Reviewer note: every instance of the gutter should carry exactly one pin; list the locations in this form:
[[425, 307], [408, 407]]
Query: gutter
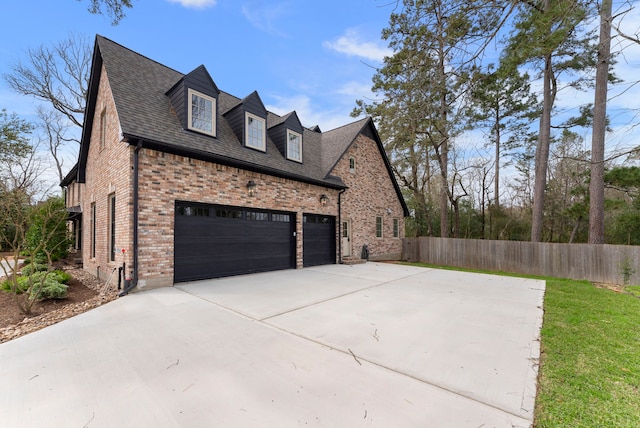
[[232, 162], [133, 282]]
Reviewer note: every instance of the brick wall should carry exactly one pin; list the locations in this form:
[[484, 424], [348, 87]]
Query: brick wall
[[370, 194], [108, 172], [165, 178]]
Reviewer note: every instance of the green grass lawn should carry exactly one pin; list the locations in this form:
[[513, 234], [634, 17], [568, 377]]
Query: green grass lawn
[[590, 364]]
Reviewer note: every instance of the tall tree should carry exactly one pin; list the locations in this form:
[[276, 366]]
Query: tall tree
[[55, 132], [503, 103], [561, 46], [400, 116], [596, 186], [436, 45], [57, 75]]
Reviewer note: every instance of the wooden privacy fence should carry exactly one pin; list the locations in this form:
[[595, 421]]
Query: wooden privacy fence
[[612, 264]]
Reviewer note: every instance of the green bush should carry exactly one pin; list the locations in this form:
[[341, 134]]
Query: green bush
[[33, 268], [51, 289], [54, 286], [62, 276], [23, 285], [47, 233]]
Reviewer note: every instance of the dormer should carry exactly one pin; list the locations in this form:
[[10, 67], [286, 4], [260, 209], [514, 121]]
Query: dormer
[[195, 101], [286, 133], [248, 120]]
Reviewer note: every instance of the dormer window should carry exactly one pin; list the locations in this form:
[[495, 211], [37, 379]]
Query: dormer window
[[202, 109], [255, 132], [294, 146]]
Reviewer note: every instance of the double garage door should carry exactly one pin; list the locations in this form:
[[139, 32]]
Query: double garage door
[[213, 241]]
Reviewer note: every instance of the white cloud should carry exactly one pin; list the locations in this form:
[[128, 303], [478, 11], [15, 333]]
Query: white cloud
[[308, 113], [351, 43], [264, 18], [195, 4], [356, 89]]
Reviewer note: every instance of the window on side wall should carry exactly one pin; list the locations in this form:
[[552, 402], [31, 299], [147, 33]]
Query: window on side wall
[[378, 227], [294, 146], [255, 135], [202, 109], [352, 164], [112, 227], [396, 228], [103, 128], [93, 230]]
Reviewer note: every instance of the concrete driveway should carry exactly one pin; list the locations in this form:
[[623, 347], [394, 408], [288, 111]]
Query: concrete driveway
[[336, 346]]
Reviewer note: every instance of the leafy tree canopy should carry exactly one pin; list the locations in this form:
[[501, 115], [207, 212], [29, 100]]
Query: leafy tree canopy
[[115, 9], [14, 142]]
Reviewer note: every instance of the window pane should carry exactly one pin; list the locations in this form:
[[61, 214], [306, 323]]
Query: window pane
[[252, 215], [201, 113], [378, 227], [280, 217], [255, 132], [294, 147]]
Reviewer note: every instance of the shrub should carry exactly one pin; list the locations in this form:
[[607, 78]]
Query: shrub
[[62, 276], [23, 285], [53, 286], [32, 268], [51, 289], [47, 233]]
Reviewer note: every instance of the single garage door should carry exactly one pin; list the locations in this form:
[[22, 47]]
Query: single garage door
[[318, 240], [213, 241]]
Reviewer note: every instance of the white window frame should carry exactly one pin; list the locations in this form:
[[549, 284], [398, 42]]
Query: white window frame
[[352, 160], [112, 226], [190, 94], [296, 134], [263, 144], [103, 128]]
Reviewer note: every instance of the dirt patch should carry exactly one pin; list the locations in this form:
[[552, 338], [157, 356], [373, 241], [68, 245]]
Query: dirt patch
[[85, 292], [613, 287]]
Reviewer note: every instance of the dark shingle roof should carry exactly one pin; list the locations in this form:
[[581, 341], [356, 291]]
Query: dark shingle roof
[[139, 86], [337, 141]]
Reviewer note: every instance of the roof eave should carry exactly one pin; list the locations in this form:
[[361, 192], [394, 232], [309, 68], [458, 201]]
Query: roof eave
[[228, 161], [94, 83]]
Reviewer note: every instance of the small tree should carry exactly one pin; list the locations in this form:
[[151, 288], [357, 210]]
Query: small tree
[[39, 233]]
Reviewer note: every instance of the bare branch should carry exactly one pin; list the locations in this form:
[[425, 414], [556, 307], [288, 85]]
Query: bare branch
[[57, 75]]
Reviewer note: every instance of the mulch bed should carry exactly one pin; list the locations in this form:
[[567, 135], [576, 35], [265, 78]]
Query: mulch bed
[[85, 292]]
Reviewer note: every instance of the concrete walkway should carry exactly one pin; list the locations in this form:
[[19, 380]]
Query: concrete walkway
[[335, 346]]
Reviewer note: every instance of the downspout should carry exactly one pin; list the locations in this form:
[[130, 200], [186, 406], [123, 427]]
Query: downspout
[[340, 225], [133, 282]]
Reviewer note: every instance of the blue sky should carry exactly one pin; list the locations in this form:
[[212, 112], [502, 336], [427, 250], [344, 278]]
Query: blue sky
[[315, 57]]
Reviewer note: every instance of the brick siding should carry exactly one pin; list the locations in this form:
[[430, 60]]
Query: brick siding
[[165, 178], [108, 172], [370, 194]]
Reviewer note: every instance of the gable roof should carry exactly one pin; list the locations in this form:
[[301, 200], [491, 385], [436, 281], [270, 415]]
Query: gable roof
[[336, 142], [139, 86]]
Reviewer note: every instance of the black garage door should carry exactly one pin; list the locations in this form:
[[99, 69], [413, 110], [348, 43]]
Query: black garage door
[[213, 241], [318, 240]]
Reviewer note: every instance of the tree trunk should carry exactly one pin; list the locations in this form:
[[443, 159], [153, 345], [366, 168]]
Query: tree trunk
[[496, 184], [596, 186], [542, 154]]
